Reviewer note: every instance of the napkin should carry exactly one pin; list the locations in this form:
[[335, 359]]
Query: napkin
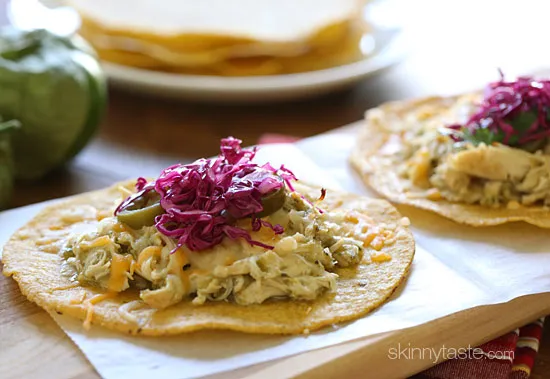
[[511, 356]]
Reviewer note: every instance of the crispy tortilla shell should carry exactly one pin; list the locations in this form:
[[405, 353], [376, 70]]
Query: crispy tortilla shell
[[32, 258], [376, 167]]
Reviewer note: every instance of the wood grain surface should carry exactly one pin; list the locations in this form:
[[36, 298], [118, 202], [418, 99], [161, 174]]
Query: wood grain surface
[[141, 135]]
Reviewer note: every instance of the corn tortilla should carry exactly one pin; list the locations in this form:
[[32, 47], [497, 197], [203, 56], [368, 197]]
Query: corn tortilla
[[202, 25], [31, 258], [229, 61], [176, 52], [380, 170], [245, 66], [206, 38]]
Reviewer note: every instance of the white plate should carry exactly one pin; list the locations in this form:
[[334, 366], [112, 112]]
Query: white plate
[[386, 46]]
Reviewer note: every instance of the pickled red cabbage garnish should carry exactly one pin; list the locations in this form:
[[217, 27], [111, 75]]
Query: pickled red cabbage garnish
[[202, 200], [515, 113]]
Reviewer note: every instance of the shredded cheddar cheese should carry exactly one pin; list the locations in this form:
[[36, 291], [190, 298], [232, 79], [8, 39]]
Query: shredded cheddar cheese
[[369, 238], [378, 243], [433, 194], [90, 307], [419, 167], [380, 257], [148, 252], [352, 218], [103, 214], [119, 228], [98, 242], [387, 234]]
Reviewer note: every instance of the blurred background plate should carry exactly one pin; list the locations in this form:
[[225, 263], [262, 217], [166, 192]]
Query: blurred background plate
[[384, 46]]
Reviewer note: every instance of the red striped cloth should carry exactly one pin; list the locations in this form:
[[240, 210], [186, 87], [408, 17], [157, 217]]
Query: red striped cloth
[[511, 356]]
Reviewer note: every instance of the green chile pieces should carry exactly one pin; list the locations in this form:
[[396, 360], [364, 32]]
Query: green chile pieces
[[272, 202], [138, 218], [140, 209], [55, 87]]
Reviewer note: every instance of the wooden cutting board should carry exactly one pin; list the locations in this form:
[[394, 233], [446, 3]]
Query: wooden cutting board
[[33, 346]]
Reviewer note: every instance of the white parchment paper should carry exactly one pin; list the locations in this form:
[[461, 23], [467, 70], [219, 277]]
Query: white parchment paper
[[455, 268]]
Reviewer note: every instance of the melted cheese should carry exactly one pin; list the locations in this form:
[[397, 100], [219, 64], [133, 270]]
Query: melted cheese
[[62, 288], [227, 251], [380, 257], [98, 242], [90, 307], [79, 300], [120, 265], [119, 228], [103, 214], [369, 238], [148, 252], [126, 309], [352, 217], [178, 259], [378, 243]]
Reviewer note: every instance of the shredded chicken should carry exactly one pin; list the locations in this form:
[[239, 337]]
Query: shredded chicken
[[495, 175], [300, 266]]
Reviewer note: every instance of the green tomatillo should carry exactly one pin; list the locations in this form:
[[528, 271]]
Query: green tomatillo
[[56, 89]]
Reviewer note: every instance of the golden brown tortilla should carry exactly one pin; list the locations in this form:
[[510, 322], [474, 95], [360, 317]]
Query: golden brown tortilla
[[379, 168], [32, 258]]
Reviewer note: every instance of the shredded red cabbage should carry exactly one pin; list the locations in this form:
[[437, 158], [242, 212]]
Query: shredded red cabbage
[[141, 183], [202, 199], [513, 113]]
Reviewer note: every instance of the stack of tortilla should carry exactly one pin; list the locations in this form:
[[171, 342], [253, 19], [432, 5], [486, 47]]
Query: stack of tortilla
[[224, 37]]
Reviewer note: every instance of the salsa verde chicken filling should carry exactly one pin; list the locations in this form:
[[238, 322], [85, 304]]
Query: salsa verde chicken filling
[[496, 155], [221, 229]]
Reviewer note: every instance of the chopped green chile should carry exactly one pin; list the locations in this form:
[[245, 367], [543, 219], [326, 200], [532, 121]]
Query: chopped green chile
[[138, 218], [140, 210], [272, 202], [140, 283]]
